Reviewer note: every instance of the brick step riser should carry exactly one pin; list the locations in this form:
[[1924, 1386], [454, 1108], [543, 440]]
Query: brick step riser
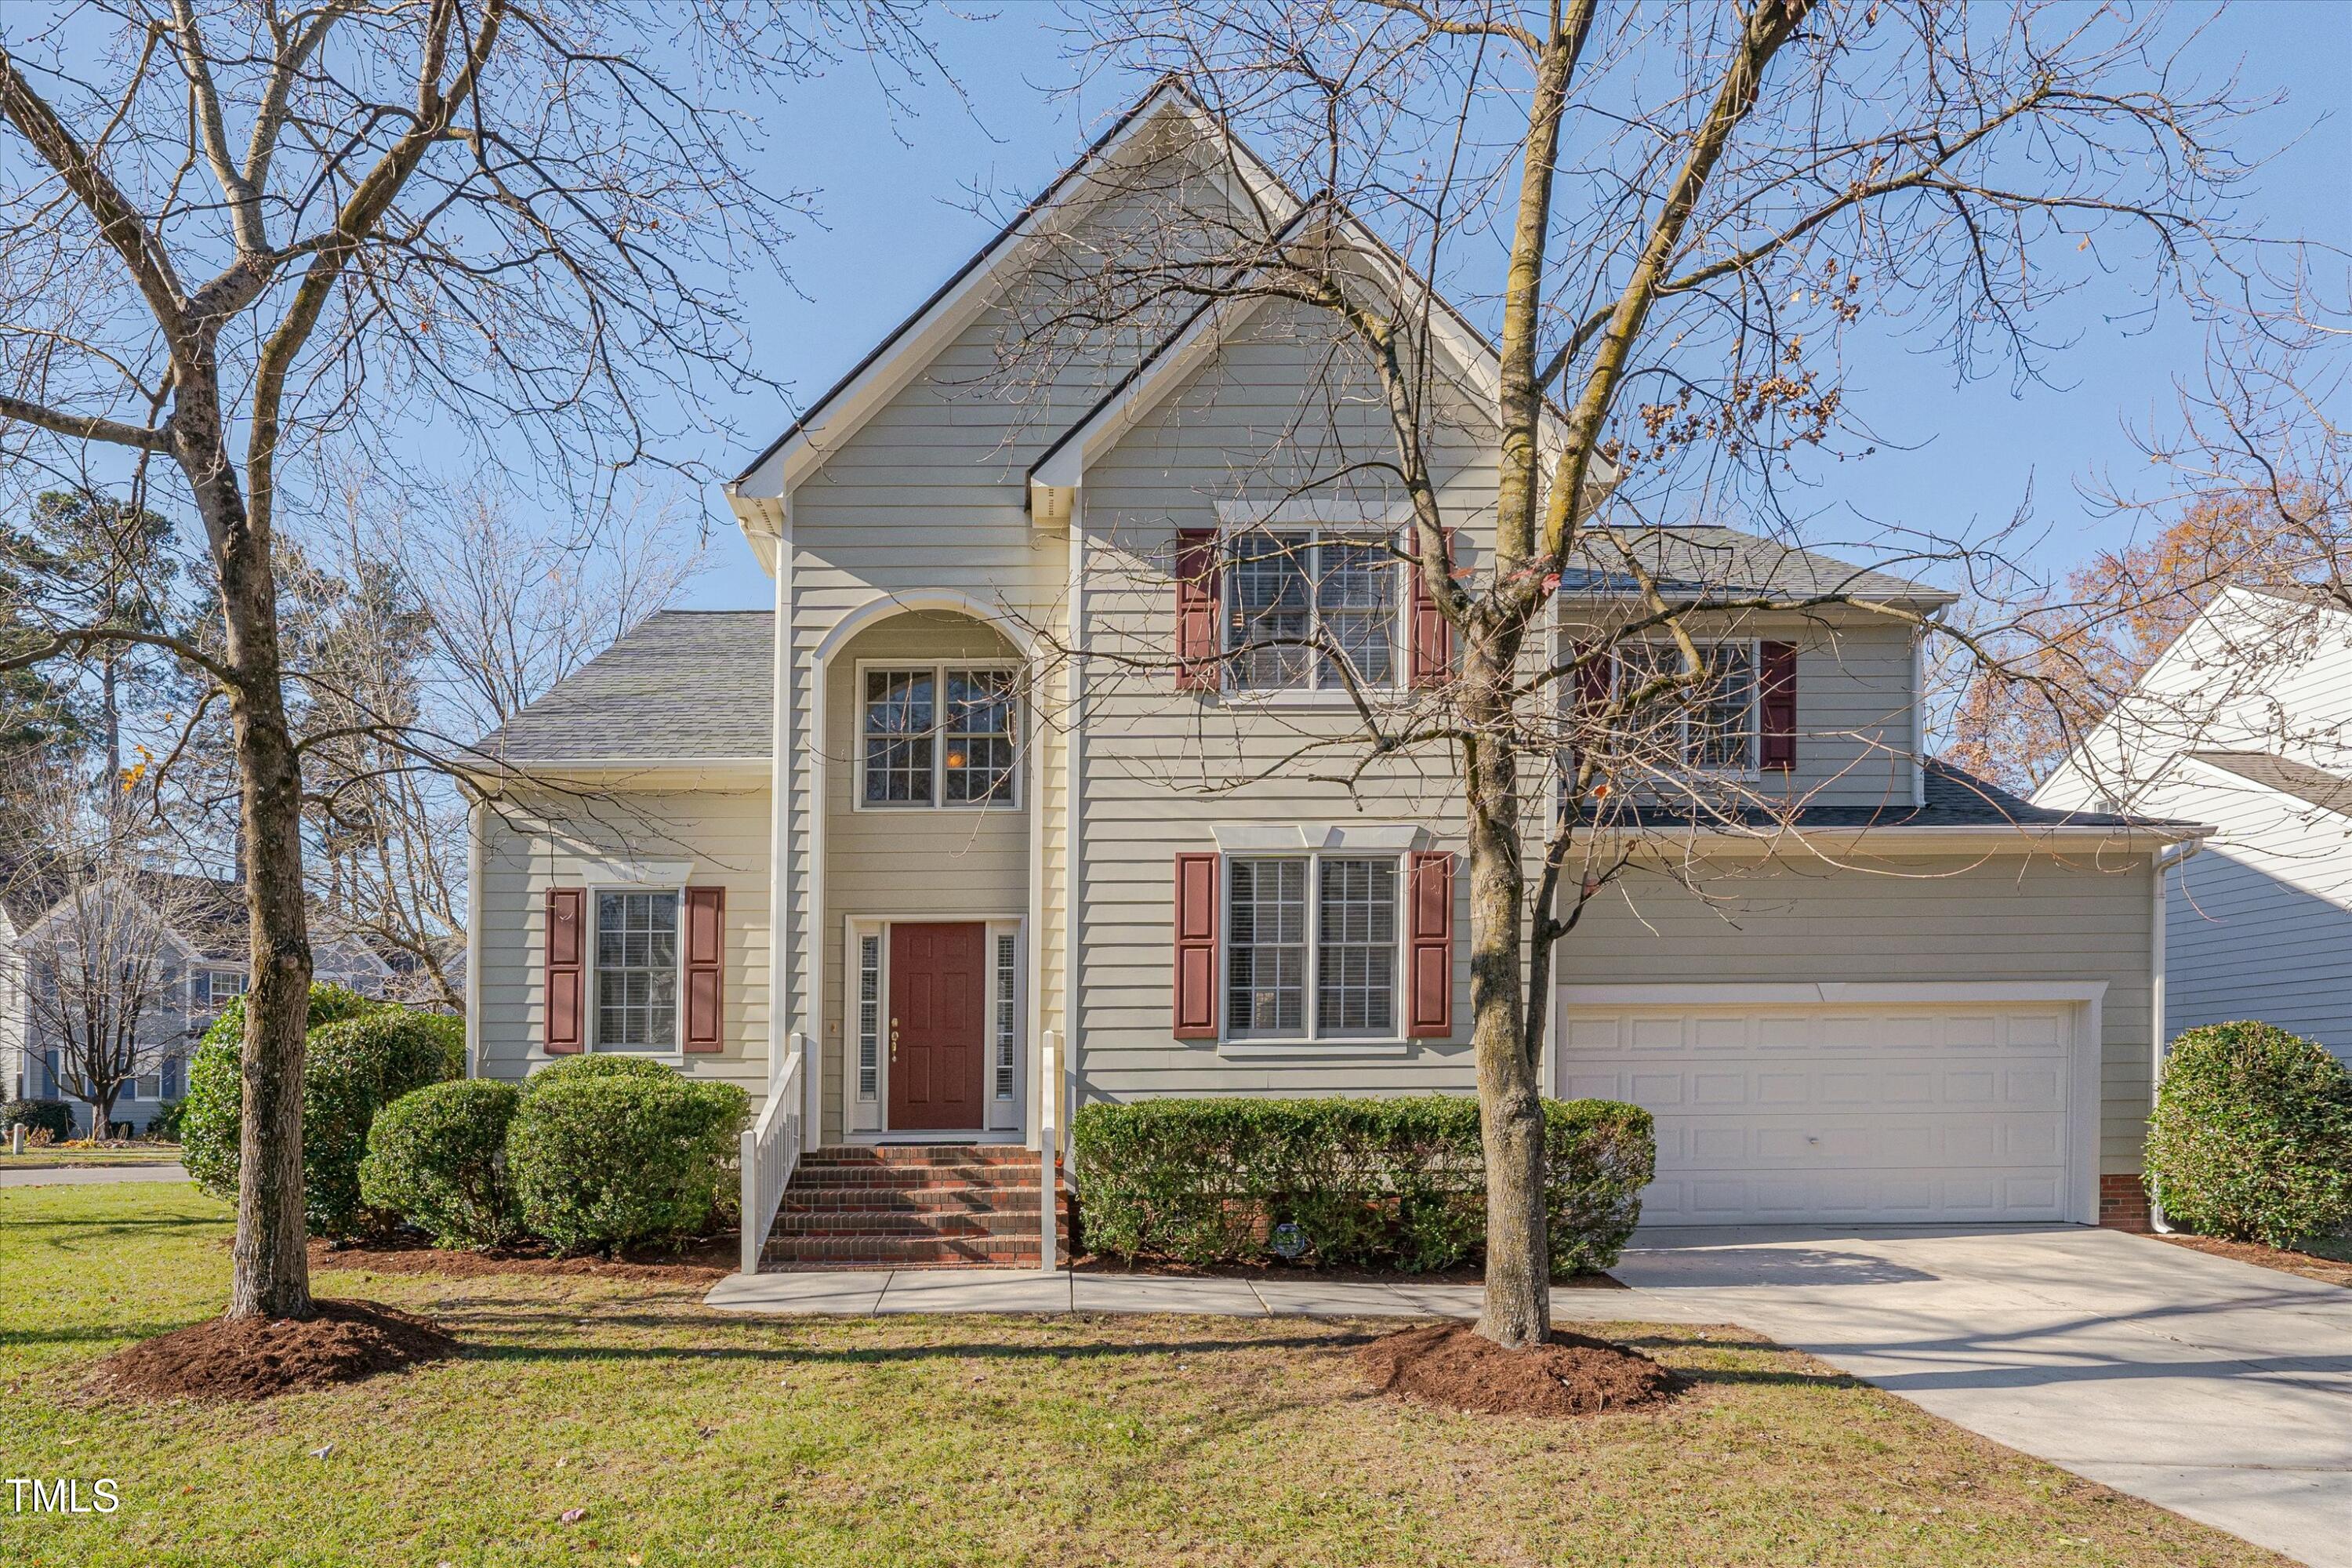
[[916, 1158], [837, 1252], [927, 1177], [913, 1227], [920, 1200]]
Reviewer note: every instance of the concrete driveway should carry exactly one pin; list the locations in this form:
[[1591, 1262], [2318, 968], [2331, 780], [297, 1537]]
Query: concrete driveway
[[2216, 1389]]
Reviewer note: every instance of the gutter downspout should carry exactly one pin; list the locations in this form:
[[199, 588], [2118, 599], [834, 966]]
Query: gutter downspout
[[2160, 866], [474, 939]]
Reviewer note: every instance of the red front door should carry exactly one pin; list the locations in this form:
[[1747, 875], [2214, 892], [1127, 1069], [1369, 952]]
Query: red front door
[[938, 1012]]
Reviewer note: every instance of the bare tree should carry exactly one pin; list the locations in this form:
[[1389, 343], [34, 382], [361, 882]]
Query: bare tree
[[234, 237], [103, 963], [1675, 215]]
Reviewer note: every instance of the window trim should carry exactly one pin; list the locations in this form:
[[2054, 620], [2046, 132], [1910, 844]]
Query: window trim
[[590, 1041], [1746, 772], [1313, 1042], [1310, 695], [937, 668]]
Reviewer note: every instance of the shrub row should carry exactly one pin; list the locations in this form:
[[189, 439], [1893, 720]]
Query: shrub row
[[54, 1117], [1395, 1183], [590, 1153], [359, 1056], [2251, 1136]]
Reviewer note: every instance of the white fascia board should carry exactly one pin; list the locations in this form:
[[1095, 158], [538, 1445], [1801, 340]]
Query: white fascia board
[[762, 519], [938, 323]]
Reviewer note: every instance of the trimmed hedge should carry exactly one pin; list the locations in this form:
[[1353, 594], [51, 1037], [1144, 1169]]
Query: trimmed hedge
[[2252, 1135], [165, 1123], [54, 1117], [360, 1055], [436, 1157], [1386, 1184], [579, 1068], [607, 1161]]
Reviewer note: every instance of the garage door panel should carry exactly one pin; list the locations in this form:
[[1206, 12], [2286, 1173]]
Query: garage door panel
[[1838, 1114]]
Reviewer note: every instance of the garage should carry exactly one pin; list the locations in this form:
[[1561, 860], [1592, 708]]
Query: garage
[[1826, 1104]]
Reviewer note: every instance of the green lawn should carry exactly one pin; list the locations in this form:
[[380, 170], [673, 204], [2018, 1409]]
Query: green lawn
[[692, 1438], [53, 1157]]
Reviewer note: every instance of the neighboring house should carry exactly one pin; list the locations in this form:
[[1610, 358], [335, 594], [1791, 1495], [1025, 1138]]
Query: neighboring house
[[204, 968], [887, 831], [2245, 722]]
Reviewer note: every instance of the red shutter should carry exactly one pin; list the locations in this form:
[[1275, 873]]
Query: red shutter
[[566, 939], [1430, 1013], [1195, 975], [1591, 681], [1196, 609], [1776, 694], [1432, 634], [706, 942]]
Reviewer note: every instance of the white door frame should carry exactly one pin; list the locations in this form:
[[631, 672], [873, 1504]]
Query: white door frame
[[863, 1122], [2087, 998]]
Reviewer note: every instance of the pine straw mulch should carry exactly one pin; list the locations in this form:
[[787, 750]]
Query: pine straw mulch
[[2310, 1265], [701, 1262], [1451, 1365], [255, 1358]]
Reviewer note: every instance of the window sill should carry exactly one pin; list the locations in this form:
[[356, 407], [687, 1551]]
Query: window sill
[[1324, 700], [1317, 1050]]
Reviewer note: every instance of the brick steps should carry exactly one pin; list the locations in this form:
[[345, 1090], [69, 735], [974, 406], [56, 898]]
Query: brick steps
[[925, 1205]]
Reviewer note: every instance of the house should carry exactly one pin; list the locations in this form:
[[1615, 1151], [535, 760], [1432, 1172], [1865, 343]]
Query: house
[[2244, 721], [978, 822], [201, 921]]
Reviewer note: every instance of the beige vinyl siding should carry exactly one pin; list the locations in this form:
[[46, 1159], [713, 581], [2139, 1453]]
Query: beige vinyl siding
[[906, 863], [1882, 918], [535, 843]]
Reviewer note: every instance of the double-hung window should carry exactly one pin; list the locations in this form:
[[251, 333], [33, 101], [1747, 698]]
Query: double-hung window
[[1711, 726], [1311, 947], [1299, 601], [636, 970], [939, 735]]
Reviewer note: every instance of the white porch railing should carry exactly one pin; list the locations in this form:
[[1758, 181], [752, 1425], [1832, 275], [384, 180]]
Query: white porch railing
[[1049, 1148], [772, 1151]]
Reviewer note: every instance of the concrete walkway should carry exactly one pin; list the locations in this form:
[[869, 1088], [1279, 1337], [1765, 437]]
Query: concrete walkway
[[1024, 1290], [88, 1176], [2216, 1389]]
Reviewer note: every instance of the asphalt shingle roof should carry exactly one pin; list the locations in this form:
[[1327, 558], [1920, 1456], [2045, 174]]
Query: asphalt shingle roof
[[683, 686], [1954, 798], [1712, 560], [2313, 786]]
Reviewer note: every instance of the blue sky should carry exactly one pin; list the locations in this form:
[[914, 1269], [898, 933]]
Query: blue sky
[[898, 193]]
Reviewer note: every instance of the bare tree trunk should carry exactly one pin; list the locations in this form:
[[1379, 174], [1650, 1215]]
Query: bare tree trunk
[[272, 1274], [1518, 1305]]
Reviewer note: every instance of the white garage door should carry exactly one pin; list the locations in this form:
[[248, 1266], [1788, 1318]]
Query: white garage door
[[1828, 1114]]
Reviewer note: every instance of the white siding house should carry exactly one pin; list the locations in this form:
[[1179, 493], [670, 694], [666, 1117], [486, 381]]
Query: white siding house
[[1925, 1000], [2244, 722]]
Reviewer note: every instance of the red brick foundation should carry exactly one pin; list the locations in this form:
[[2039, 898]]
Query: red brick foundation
[[2122, 1204]]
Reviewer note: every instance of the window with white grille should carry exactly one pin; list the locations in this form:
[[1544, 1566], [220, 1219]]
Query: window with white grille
[[1312, 947], [1007, 1020], [636, 971], [939, 735], [1710, 725], [898, 738], [869, 1017], [1289, 592]]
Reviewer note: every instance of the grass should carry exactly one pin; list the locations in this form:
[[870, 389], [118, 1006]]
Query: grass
[[690, 1439], [54, 1156]]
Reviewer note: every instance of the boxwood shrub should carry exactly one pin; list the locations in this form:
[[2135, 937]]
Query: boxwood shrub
[[2252, 1135], [436, 1157], [360, 1055], [572, 1070], [1386, 1184], [54, 1117], [602, 1161]]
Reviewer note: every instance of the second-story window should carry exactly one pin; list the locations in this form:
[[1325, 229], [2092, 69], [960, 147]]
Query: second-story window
[[1292, 592], [939, 735], [1711, 725]]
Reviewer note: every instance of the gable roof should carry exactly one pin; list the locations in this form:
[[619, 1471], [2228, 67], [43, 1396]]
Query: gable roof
[[2313, 786], [1711, 559], [837, 412], [682, 686]]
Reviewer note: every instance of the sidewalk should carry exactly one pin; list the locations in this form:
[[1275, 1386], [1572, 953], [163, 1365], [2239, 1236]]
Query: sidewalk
[[1008, 1290], [87, 1175]]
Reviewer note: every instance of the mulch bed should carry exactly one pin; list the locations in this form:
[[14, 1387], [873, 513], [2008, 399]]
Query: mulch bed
[[702, 1262], [2310, 1265], [1450, 1364], [254, 1358]]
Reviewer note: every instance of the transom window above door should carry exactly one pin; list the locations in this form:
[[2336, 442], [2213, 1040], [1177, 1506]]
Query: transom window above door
[[939, 735], [1298, 598]]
